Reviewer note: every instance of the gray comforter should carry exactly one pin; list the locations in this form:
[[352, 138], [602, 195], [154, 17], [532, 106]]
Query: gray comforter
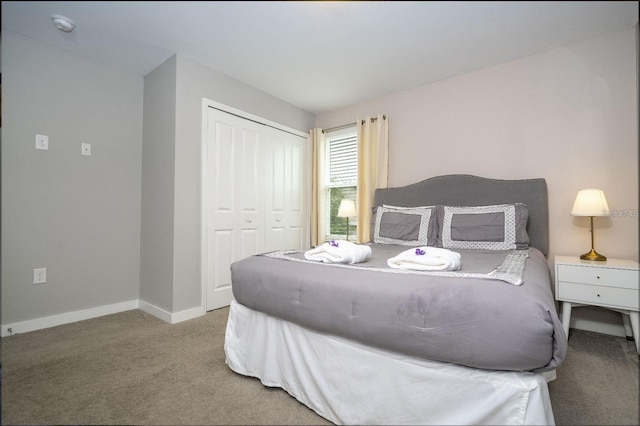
[[476, 322]]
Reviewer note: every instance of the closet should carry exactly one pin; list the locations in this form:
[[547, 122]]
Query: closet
[[254, 193]]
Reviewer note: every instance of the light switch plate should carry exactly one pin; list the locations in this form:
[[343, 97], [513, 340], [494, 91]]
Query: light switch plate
[[42, 142], [40, 275], [85, 149]]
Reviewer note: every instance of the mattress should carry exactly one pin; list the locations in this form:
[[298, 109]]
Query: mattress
[[470, 320]]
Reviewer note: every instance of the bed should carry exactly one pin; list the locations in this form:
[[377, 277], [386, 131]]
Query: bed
[[368, 344]]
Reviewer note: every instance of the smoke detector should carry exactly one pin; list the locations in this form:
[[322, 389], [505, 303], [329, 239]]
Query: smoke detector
[[63, 23]]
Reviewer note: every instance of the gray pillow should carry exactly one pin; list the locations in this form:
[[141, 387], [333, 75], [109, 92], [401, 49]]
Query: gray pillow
[[410, 226], [495, 227]]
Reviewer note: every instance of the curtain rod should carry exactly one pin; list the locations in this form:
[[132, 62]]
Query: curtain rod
[[344, 126]]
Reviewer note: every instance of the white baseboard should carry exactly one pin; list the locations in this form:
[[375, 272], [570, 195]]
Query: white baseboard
[[187, 315], [171, 318], [99, 311], [155, 311], [598, 327], [598, 320], [67, 318]]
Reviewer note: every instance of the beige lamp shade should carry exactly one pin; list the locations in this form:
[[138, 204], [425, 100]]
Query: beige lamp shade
[[590, 202], [347, 208]]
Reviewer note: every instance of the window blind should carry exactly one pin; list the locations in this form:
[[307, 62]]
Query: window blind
[[343, 161]]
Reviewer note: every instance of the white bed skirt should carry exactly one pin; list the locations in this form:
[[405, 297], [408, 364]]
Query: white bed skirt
[[350, 383]]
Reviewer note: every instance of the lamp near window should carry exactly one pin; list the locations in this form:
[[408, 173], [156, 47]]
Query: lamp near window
[[591, 202], [347, 209]]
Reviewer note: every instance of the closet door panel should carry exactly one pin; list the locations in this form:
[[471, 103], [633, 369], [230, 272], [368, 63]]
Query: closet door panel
[[249, 174], [235, 214], [249, 210], [220, 211], [297, 192], [255, 196], [278, 179], [285, 203], [223, 247], [220, 160], [295, 211]]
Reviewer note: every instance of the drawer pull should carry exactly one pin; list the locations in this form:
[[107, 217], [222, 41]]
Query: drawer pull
[[598, 276], [598, 295]]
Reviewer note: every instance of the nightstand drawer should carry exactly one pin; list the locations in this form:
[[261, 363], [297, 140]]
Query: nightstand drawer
[[598, 295], [624, 278]]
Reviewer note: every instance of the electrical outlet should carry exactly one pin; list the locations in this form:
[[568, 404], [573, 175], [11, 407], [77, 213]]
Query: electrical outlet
[[42, 142], [40, 275], [85, 149]]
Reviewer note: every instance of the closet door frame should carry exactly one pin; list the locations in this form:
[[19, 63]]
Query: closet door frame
[[206, 104]]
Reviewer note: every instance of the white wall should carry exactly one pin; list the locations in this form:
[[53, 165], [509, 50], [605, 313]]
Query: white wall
[[77, 216], [158, 175], [569, 115], [176, 247], [195, 82], [119, 229]]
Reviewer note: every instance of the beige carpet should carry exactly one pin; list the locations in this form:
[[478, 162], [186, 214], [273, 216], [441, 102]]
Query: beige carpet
[[598, 382], [132, 368]]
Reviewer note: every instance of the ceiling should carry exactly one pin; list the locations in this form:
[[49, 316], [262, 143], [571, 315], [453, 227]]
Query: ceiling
[[319, 55]]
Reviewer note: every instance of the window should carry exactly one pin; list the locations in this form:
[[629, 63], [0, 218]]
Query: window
[[341, 179]]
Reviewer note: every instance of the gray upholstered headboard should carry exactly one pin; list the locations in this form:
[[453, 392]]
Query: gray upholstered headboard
[[468, 190]]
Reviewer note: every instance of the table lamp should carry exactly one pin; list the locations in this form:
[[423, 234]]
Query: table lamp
[[347, 209], [591, 202]]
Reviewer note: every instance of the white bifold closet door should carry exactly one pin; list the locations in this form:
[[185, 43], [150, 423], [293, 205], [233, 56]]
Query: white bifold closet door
[[255, 195], [285, 194]]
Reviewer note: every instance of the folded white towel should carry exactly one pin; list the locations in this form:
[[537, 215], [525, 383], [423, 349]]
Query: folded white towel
[[339, 251], [426, 259]]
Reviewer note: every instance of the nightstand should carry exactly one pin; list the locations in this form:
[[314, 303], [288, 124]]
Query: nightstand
[[611, 284]]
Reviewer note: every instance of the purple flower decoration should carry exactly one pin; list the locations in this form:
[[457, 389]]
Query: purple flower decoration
[[333, 243], [420, 252]]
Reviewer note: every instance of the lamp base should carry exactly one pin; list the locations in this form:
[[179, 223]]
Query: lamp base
[[347, 229], [593, 255]]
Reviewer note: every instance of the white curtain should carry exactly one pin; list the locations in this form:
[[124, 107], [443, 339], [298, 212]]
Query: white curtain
[[318, 220], [373, 166]]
